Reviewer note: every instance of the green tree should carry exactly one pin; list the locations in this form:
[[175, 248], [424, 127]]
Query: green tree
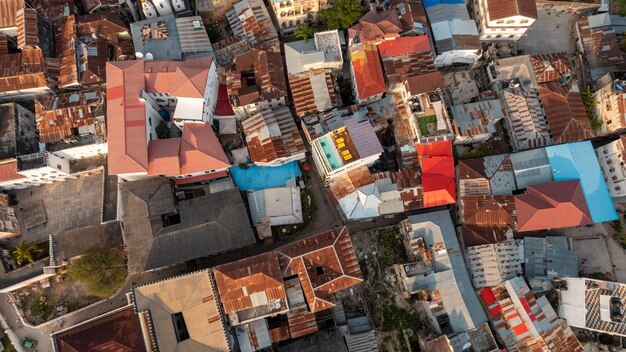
[[590, 102], [343, 14], [25, 252], [162, 131], [304, 32], [103, 270]]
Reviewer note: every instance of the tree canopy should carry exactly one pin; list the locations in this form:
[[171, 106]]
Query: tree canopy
[[25, 252], [103, 270], [590, 102], [343, 14], [304, 32]]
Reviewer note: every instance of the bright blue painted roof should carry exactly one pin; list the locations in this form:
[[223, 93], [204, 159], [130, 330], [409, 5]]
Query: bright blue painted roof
[[258, 178], [577, 161], [429, 3]]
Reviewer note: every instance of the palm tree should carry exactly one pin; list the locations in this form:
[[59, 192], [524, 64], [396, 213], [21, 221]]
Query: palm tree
[[26, 251]]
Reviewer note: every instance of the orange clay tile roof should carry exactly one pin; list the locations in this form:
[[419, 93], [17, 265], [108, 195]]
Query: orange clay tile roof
[[65, 41], [272, 134], [404, 46], [565, 112], [324, 263], [237, 281], [8, 171], [552, 205], [8, 8], [368, 71], [198, 150], [27, 33], [500, 9], [126, 114], [22, 71]]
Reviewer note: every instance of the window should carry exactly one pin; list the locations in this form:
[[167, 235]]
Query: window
[[618, 188], [500, 21], [609, 162], [614, 178], [58, 166], [510, 21], [498, 36], [524, 21], [511, 36]]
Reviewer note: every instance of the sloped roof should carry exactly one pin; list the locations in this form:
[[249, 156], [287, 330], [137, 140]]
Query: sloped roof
[[214, 221], [65, 42], [551, 67], [272, 134], [438, 179], [325, 264], [488, 210], [126, 114], [57, 115], [552, 205], [22, 71], [368, 71], [194, 297], [473, 235], [265, 63], [377, 25], [425, 83], [500, 9], [8, 8], [120, 328], [348, 182], [404, 46], [238, 281], [565, 112]]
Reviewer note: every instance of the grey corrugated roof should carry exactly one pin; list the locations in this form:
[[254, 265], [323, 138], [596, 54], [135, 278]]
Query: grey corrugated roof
[[447, 12], [162, 48], [210, 224], [549, 257], [451, 277]]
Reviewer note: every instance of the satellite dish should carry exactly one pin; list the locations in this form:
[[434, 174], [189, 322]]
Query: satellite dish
[[139, 55], [149, 56]]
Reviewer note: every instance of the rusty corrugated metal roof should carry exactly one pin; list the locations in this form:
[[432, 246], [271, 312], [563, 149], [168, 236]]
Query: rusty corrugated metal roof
[[8, 9], [27, 30], [65, 38], [57, 115], [22, 71], [565, 112], [237, 281], [502, 9]]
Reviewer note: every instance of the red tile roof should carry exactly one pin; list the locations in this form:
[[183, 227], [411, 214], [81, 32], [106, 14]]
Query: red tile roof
[[197, 151], [368, 71], [552, 205], [126, 114], [404, 46], [237, 281], [223, 107], [325, 264], [438, 180]]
